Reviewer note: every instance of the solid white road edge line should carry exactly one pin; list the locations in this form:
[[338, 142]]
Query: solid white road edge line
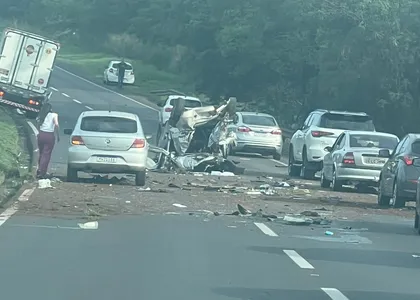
[[77, 101], [265, 229], [88, 107], [299, 260], [4, 216], [334, 294], [280, 162], [36, 132], [104, 88], [65, 95]]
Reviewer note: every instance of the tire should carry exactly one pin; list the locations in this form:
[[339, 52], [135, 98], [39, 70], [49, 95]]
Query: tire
[[416, 221], [398, 201], [71, 174], [305, 172], [325, 183], [141, 178], [336, 185], [292, 170], [276, 156], [382, 199]]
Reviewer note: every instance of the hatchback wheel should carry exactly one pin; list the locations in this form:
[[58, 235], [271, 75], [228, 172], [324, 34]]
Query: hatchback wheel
[[306, 172], [141, 178], [397, 201], [382, 199], [292, 170], [325, 183], [336, 185]]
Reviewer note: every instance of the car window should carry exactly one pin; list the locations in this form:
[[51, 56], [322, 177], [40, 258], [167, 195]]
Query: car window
[[337, 142], [127, 66], [399, 146], [308, 121], [347, 122], [374, 141], [415, 147], [259, 120], [188, 103], [342, 142], [108, 124]]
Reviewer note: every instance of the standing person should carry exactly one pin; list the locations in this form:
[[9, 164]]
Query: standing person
[[122, 66], [48, 130]]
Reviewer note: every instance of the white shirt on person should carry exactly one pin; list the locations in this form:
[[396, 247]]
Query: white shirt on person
[[51, 120]]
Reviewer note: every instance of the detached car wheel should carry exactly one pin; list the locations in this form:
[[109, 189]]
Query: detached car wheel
[[141, 178]]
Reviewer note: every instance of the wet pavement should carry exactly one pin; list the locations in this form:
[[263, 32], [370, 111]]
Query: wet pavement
[[185, 237]]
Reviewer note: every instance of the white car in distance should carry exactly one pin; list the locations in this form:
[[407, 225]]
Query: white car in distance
[[107, 142], [111, 73]]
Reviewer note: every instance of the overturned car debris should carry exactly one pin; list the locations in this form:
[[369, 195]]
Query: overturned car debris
[[197, 139]]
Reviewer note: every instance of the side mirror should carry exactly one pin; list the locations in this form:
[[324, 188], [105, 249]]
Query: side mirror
[[68, 131], [148, 137], [328, 148], [384, 153], [416, 162]]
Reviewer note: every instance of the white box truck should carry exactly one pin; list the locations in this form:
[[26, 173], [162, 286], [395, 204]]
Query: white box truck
[[26, 63]]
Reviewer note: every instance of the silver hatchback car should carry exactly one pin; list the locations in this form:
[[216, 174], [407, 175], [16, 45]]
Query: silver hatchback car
[[257, 133], [107, 142]]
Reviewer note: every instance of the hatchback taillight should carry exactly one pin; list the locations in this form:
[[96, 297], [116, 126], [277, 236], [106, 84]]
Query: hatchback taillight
[[348, 158], [1, 94], [408, 160], [77, 140], [138, 143]]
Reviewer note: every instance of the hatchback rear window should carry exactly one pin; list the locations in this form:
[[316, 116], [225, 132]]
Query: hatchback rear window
[[127, 66], [415, 147], [374, 141], [108, 124], [259, 120], [347, 122], [188, 103]]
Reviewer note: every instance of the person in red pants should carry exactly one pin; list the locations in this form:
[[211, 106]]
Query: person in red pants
[[48, 131]]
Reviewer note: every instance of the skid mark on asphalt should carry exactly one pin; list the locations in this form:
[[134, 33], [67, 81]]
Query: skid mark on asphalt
[[299, 260], [334, 294]]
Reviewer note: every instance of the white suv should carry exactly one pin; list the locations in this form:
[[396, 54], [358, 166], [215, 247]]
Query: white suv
[[320, 129]]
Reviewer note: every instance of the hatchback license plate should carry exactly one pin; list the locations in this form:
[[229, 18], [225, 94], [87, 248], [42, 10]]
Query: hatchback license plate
[[375, 161], [111, 160]]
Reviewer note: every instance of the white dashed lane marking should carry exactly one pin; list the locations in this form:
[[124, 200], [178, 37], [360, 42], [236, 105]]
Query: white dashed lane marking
[[265, 229], [65, 95], [77, 101], [88, 107], [299, 260], [54, 89], [279, 162], [334, 294]]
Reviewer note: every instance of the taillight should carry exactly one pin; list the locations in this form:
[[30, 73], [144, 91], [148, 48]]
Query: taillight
[[1, 93], [138, 143], [348, 158], [168, 109], [244, 129], [408, 160], [77, 140], [320, 133], [111, 70], [33, 102], [276, 132]]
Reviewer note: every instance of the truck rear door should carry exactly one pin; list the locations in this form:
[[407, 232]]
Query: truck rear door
[[32, 62]]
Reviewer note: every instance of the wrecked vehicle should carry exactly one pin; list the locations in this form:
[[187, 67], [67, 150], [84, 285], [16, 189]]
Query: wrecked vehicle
[[197, 139]]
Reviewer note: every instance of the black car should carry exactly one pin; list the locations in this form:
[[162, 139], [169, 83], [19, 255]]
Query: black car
[[399, 176]]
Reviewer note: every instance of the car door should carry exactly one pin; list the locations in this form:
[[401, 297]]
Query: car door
[[388, 171], [300, 138], [328, 162]]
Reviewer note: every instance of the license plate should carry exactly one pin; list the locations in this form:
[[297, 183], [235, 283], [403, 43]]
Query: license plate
[[374, 161], [111, 160]]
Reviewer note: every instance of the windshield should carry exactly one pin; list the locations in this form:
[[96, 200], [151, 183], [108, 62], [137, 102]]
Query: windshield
[[259, 120], [347, 122], [109, 124], [374, 141], [127, 66], [188, 103]]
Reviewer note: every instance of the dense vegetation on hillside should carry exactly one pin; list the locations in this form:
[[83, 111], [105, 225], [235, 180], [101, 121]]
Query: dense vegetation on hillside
[[285, 56]]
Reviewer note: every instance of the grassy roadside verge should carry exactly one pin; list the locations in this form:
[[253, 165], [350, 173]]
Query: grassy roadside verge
[[148, 78]]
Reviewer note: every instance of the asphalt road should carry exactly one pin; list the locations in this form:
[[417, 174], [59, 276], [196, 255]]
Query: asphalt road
[[196, 256]]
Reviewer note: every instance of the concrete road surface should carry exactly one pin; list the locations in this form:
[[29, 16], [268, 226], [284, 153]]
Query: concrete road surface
[[167, 251]]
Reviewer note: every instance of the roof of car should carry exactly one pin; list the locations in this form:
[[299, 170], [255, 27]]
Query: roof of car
[[342, 112], [250, 113], [371, 133], [170, 97], [106, 113], [118, 61]]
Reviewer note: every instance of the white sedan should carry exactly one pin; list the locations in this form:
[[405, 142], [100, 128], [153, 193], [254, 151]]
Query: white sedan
[[111, 73]]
